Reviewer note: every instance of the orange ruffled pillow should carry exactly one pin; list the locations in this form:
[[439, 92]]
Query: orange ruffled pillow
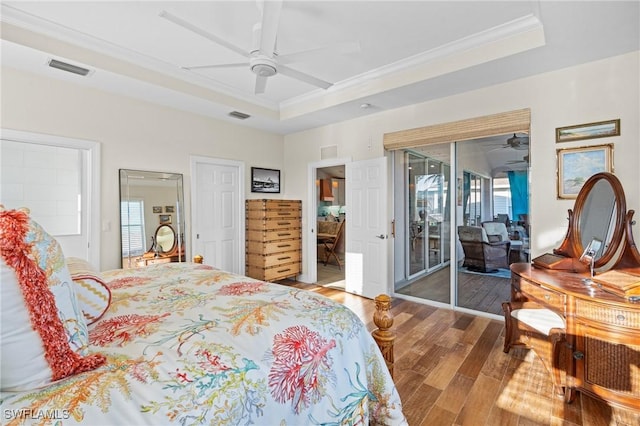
[[44, 335]]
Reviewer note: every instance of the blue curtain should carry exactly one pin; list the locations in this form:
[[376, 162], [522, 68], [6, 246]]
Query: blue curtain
[[519, 183]]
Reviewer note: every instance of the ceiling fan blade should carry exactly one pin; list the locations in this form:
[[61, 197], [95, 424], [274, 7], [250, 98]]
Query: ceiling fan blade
[[261, 84], [189, 26], [270, 20], [303, 77], [200, 67], [304, 55]]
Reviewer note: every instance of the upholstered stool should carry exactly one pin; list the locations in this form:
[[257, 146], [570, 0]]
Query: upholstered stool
[[542, 330]]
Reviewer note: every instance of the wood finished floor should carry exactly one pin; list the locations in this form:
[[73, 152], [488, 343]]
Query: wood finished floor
[[450, 370]]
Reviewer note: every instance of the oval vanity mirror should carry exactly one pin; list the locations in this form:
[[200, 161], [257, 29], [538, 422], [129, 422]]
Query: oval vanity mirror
[[598, 214], [165, 238]]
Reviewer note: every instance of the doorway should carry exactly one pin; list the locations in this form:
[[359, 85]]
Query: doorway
[[330, 230], [486, 173]]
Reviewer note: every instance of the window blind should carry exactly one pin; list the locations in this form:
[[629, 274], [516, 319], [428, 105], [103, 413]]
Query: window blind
[[472, 128], [132, 220]]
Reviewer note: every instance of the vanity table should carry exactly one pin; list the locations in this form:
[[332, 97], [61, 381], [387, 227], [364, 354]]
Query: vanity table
[[599, 349], [602, 331], [166, 248]]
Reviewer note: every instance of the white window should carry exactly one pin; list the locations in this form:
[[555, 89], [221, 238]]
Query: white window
[[132, 219], [58, 179]]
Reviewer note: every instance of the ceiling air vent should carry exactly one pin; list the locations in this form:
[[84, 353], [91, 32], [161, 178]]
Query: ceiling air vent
[[239, 115], [53, 63]]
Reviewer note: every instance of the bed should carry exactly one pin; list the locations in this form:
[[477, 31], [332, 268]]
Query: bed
[[187, 344]]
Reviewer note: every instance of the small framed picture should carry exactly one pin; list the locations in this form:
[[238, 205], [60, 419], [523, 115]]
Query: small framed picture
[[265, 180], [165, 219], [157, 209], [168, 209], [600, 129]]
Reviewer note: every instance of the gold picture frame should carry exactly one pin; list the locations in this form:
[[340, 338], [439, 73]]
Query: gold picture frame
[[599, 129], [576, 165]]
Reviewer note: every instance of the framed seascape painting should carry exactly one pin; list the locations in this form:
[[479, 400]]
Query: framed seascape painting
[[265, 180], [600, 129], [576, 165]]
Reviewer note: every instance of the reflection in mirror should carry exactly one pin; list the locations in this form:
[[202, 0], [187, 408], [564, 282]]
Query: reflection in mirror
[[599, 213], [149, 202], [598, 218], [165, 239]]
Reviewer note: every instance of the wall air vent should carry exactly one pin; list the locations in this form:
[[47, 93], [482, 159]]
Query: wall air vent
[[53, 63], [239, 115], [327, 152]]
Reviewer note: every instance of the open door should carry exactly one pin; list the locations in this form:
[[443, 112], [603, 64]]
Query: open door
[[367, 233]]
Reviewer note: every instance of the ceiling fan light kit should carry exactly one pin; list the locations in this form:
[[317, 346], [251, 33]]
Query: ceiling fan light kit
[[263, 66]]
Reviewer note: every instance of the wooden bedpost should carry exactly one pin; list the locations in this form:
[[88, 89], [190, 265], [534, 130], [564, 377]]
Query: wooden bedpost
[[197, 258], [383, 335]]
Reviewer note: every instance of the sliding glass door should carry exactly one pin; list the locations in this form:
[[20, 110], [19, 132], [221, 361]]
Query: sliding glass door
[[428, 214], [433, 207]]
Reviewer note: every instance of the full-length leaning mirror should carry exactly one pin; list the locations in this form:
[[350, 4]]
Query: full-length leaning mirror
[[151, 218]]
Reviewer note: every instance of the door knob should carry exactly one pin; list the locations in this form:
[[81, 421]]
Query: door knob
[[381, 236]]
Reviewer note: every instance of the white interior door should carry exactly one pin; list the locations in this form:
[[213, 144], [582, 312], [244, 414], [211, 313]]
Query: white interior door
[[218, 213], [367, 243]]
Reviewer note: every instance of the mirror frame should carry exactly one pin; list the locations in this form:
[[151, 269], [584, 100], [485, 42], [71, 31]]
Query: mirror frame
[[572, 245], [178, 223], [175, 239], [630, 258]]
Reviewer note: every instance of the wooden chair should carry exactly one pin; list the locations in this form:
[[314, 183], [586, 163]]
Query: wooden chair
[[529, 325], [331, 243]]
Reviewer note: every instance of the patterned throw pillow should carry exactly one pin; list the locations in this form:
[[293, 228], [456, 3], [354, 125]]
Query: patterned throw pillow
[[93, 294], [44, 335]]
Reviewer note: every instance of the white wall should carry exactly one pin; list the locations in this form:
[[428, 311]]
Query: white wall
[[138, 135], [597, 91], [133, 135]]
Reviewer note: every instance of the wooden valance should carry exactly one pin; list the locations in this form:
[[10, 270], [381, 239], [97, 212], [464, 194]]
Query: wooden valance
[[517, 121]]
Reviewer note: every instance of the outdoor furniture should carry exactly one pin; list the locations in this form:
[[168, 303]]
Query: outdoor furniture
[[479, 253]]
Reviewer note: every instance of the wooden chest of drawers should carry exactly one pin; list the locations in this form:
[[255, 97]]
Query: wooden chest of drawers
[[273, 239]]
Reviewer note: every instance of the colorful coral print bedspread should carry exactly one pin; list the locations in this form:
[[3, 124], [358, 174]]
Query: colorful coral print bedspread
[[189, 345]]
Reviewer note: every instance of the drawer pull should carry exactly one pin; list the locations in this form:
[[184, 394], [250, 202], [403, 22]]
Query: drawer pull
[[283, 234], [284, 245], [578, 355], [284, 223], [547, 297], [620, 317], [284, 213], [285, 257], [284, 270]]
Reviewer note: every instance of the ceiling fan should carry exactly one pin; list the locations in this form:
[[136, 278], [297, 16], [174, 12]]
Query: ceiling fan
[[264, 61], [525, 159], [516, 142]]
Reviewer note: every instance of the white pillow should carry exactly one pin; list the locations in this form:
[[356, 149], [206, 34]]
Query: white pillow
[[92, 292], [44, 335]]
